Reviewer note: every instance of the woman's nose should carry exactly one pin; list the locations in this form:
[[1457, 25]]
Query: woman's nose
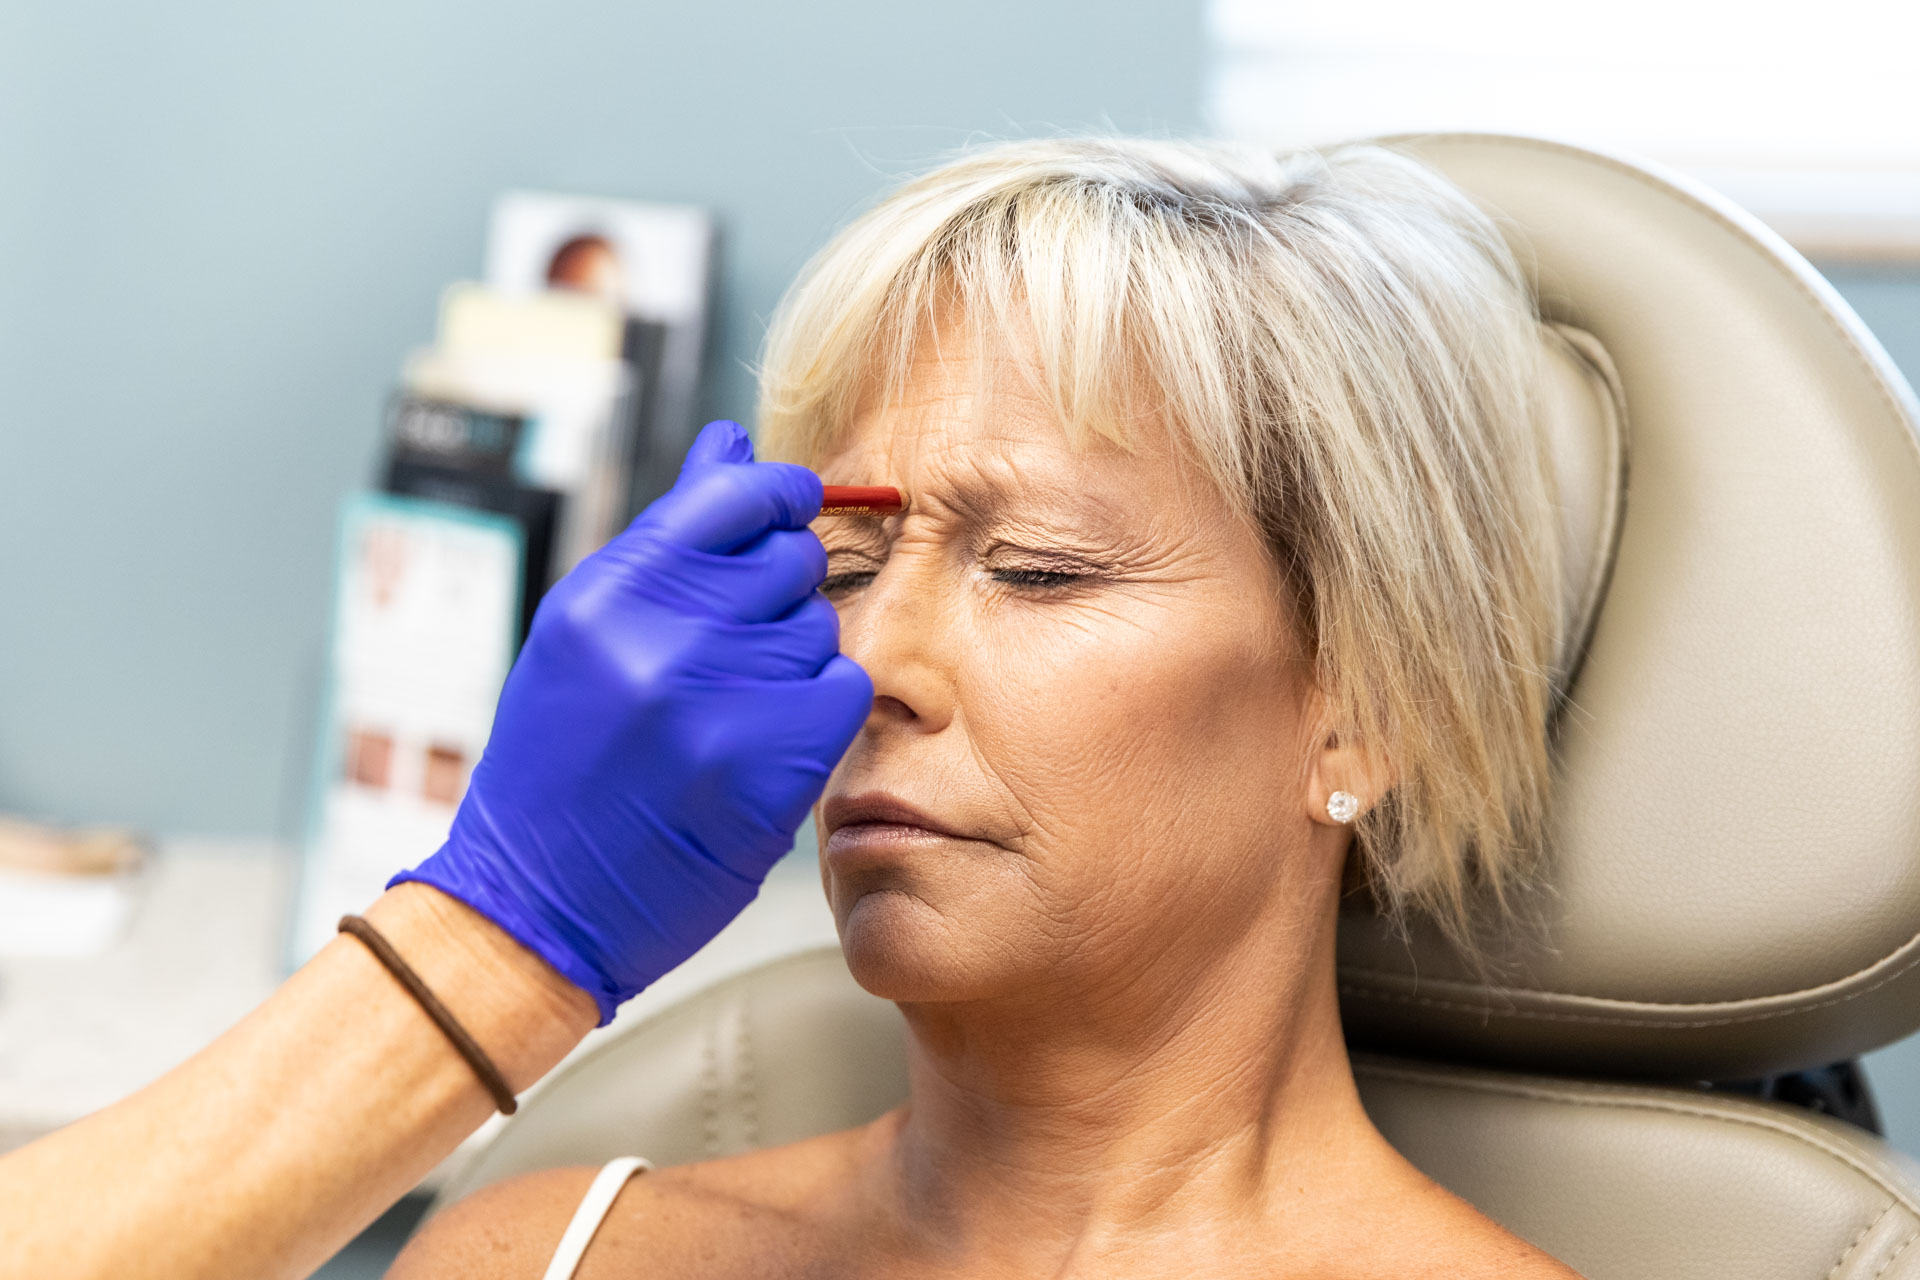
[[897, 629]]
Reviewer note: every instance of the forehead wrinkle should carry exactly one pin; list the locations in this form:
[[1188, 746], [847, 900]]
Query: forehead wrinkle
[[946, 445], [976, 442], [1041, 491]]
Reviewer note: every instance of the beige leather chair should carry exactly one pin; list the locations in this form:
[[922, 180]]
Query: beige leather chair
[[1735, 889]]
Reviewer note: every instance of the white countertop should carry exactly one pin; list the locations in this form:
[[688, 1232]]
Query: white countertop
[[207, 942]]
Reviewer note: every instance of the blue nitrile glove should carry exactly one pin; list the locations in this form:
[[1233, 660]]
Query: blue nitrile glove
[[675, 712]]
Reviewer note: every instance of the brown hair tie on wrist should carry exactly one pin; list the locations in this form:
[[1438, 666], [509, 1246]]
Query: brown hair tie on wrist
[[442, 1017]]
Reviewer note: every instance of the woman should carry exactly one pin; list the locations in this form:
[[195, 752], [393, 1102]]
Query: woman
[[1228, 578]]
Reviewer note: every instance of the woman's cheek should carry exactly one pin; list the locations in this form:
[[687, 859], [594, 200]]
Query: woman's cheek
[[1076, 700]]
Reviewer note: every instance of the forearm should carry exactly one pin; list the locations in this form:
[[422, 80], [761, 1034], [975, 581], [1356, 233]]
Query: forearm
[[696, 643], [267, 1151]]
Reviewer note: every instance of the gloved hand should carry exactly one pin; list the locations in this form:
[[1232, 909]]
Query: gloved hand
[[674, 713]]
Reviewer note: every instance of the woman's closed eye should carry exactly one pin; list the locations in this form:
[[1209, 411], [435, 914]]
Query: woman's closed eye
[[1038, 571], [1037, 578], [840, 581], [1026, 570]]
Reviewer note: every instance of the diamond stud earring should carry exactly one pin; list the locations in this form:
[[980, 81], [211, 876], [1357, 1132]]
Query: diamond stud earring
[[1342, 805]]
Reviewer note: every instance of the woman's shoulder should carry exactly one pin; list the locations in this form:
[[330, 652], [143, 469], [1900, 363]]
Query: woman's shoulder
[[1439, 1233], [500, 1232], [694, 1220]]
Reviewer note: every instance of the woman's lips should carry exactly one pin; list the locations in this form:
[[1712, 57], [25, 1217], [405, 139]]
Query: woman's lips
[[877, 836], [876, 822]]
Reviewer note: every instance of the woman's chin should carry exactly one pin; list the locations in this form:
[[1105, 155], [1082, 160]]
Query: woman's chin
[[899, 948]]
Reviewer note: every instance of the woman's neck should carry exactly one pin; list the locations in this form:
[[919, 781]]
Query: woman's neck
[[1183, 1106]]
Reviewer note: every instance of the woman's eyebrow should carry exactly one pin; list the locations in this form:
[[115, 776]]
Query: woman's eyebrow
[[1061, 507], [993, 488], [855, 533]]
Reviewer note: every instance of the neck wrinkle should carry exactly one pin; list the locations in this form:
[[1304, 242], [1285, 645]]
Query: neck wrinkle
[[1077, 1137]]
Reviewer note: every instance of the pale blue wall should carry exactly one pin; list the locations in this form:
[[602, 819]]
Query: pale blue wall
[[223, 224]]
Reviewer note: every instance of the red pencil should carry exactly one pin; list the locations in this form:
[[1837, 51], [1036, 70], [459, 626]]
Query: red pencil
[[861, 500]]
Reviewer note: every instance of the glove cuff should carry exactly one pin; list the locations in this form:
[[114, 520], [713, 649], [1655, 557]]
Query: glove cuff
[[528, 932]]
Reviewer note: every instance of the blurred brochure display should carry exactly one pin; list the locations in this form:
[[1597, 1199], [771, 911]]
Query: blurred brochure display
[[555, 401], [516, 409], [425, 617], [65, 893], [654, 263]]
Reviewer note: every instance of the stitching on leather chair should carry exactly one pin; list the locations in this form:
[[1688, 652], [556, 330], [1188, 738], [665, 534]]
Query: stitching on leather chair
[[710, 1081], [748, 1082], [1833, 1272], [1894, 1255], [1911, 946], [1632, 1097]]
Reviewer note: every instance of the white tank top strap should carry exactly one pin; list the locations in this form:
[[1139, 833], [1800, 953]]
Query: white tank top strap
[[588, 1217]]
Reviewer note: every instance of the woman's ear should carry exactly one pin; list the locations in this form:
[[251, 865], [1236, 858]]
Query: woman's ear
[[1350, 768]]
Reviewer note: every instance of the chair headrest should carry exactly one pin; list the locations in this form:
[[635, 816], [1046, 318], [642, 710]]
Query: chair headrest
[[1732, 888], [1583, 415]]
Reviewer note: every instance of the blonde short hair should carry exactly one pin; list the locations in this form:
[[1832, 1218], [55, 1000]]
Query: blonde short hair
[[1344, 342]]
